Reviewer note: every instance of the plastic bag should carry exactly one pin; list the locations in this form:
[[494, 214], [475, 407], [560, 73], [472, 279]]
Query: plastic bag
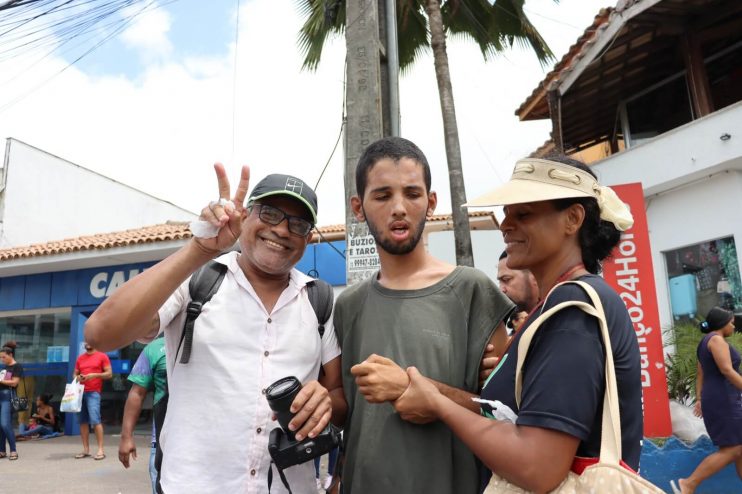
[[72, 399]]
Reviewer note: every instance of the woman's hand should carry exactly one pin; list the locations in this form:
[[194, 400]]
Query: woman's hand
[[697, 409], [418, 403]]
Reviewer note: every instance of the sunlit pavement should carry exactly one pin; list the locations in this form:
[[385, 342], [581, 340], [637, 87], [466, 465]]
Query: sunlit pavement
[[49, 466]]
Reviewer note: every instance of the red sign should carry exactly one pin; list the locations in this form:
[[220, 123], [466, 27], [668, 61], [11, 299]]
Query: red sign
[[630, 273]]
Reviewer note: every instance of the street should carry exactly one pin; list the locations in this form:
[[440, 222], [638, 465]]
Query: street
[[49, 466]]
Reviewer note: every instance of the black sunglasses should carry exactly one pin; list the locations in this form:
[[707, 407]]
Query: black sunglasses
[[274, 216]]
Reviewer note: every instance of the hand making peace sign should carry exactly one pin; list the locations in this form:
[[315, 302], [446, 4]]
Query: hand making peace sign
[[225, 216]]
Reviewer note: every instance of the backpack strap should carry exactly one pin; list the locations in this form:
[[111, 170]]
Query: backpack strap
[[203, 285], [321, 297]]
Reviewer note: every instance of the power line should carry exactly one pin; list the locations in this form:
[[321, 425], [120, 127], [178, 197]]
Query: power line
[[234, 78], [60, 32]]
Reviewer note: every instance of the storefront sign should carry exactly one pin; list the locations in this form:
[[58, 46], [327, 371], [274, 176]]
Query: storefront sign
[[104, 284], [95, 285], [630, 273]]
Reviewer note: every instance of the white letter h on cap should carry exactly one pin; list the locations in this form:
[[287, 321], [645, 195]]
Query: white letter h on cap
[[294, 185]]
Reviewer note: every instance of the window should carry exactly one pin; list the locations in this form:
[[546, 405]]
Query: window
[[41, 337], [702, 276]]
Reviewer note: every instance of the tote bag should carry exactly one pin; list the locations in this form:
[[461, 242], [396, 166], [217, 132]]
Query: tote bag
[[72, 399], [607, 475], [19, 403]]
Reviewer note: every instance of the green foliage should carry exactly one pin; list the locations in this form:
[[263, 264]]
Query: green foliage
[[493, 27], [681, 366]]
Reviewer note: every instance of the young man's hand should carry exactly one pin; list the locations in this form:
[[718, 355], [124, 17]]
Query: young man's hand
[[380, 379], [127, 448]]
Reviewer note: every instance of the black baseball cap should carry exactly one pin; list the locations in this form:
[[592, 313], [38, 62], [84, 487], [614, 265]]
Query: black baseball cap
[[286, 185]]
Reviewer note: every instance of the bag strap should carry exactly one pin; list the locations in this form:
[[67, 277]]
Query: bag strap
[[203, 285], [14, 391], [281, 474], [321, 297], [610, 438]]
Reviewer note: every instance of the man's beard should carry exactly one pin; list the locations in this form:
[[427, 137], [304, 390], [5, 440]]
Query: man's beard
[[394, 248]]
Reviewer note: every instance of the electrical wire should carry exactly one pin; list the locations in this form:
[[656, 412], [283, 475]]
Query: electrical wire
[[81, 19], [343, 121], [234, 79]]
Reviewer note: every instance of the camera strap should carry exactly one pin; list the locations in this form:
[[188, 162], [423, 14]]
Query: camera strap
[[280, 473]]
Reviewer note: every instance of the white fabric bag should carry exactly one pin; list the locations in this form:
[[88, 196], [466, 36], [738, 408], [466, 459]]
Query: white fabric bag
[[72, 399]]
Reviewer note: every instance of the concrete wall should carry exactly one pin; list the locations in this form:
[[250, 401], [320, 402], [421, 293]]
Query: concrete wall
[[47, 198], [692, 187], [676, 459]]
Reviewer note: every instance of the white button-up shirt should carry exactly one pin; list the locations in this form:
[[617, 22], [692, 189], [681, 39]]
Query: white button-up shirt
[[215, 436]]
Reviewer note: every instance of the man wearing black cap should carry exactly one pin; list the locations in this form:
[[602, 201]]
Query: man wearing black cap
[[258, 327]]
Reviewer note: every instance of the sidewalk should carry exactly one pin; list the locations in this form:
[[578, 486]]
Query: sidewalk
[[49, 466]]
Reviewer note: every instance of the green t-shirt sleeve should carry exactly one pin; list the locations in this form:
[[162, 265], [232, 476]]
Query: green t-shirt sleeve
[[488, 307], [142, 372]]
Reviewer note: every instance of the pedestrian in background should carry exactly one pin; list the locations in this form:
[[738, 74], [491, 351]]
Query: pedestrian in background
[[149, 373], [42, 422], [91, 368], [718, 398], [331, 460], [12, 376]]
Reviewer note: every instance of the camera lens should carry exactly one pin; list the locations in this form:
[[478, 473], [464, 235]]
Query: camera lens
[[280, 396]]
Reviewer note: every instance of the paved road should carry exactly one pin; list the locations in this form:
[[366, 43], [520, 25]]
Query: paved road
[[49, 467]]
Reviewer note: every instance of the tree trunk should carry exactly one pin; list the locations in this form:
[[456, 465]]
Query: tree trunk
[[462, 234]]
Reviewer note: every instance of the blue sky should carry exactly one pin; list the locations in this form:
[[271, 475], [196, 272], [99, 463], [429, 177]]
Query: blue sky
[[196, 28], [156, 106]]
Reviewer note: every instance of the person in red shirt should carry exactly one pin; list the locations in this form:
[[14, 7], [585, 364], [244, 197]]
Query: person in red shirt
[[91, 368]]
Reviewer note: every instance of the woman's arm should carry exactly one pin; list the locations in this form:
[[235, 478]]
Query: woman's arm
[[533, 458], [12, 382], [49, 416], [699, 388], [720, 351]]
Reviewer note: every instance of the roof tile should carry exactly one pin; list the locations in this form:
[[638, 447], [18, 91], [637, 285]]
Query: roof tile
[[149, 234]]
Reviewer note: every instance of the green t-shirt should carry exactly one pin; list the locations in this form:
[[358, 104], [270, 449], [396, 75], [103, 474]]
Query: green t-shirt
[[442, 330], [150, 369]]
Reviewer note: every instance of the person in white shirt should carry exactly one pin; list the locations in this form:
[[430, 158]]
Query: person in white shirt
[[258, 327]]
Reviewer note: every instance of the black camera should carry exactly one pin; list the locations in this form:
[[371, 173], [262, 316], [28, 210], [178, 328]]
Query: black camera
[[283, 447]]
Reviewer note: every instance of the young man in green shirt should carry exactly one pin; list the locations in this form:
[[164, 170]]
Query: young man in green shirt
[[416, 311], [149, 373]]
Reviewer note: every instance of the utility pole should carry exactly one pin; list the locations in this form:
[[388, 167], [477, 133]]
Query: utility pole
[[370, 87]]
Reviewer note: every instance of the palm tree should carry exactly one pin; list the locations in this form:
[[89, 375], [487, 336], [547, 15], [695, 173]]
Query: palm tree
[[424, 24]]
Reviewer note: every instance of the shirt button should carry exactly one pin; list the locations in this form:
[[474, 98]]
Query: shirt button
[[259, 430], [270, 320], [266, 353], [252, 472]]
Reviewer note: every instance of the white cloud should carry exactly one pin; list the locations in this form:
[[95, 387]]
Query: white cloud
[[148, 31], [161, 130]]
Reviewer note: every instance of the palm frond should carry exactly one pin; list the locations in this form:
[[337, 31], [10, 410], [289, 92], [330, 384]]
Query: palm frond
[[323, 19], [493, 27], [413, 36]]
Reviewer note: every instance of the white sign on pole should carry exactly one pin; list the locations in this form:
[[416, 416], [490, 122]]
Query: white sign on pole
[[362, 260]]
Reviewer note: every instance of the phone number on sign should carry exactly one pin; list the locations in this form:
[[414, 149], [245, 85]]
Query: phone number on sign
[[365, 262]]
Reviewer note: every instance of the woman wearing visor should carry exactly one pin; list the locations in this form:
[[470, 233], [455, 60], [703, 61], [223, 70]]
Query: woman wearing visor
[[560, 224]]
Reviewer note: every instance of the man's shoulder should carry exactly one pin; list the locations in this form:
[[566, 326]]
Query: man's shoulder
[[354, 293], [467, 274]]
